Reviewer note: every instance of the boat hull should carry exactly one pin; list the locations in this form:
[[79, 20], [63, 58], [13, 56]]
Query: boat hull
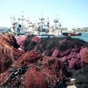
[[71, 34]]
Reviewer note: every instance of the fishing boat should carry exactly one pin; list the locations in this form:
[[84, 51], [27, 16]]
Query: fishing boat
[[71, 34]]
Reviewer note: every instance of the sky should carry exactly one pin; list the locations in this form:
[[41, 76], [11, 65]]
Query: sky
[[71, 13]]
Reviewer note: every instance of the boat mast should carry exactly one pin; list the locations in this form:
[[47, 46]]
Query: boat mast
[[57, 25]]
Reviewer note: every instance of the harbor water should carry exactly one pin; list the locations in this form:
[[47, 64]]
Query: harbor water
[[84, 36]]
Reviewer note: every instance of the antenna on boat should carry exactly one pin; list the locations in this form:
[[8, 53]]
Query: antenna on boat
[[56, 20], [48, 23]]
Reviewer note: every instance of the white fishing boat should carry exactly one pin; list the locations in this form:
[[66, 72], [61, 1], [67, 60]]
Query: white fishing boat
[[22, 25]]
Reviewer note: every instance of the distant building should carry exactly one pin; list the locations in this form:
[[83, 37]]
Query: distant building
[[4, 29]]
